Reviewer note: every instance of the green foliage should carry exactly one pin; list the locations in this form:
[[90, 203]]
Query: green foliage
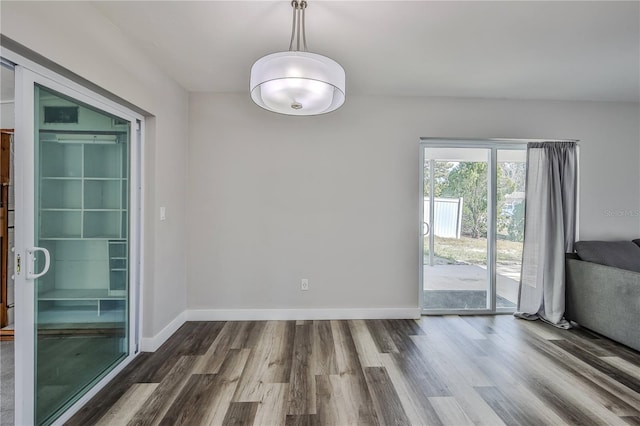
[[469, 181], [440, 174], [472, 251], [516, 172], [516, 225]]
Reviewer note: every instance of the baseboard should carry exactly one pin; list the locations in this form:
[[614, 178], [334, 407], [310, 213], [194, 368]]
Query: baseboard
[[301, 314], [151, 344]]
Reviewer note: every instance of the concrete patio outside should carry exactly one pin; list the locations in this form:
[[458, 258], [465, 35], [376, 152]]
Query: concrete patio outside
[[473, 278]]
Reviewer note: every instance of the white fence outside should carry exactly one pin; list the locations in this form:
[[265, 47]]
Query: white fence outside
[[447, 215]]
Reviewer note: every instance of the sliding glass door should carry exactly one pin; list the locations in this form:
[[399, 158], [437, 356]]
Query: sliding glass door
[[455, 213], [74, 246], [511, 165], [472, 225]]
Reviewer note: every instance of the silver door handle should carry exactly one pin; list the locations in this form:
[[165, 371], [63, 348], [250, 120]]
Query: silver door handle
[[31, 260]]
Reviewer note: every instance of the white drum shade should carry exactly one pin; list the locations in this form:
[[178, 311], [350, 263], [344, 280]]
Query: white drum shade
[[297, 83]]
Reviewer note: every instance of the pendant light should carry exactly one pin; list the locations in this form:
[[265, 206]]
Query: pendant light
[[297, 82]]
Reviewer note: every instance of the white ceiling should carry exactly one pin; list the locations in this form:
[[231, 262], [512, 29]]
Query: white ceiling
[[564, 50]]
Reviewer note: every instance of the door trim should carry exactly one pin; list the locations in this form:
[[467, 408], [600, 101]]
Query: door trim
[[24, 294]]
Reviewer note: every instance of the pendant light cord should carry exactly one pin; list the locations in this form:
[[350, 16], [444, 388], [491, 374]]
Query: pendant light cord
[[298, 29], [303, 7], [294, 4], [297, 26]]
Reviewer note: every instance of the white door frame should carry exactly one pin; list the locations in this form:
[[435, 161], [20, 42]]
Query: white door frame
[[492, 145], [27, 74]]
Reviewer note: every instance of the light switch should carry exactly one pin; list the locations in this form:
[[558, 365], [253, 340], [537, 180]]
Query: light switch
[[163, 213]]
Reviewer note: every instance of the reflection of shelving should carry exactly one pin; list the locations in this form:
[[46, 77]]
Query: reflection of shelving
[[102, 194], [60, 224], [101, 224], [77, 294], [83, 222], [61, 160], [96, 300], [84, 190], [103, 161], [61, 193], [118, 270]]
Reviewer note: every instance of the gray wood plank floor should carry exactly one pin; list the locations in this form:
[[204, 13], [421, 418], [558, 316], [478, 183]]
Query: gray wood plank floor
[[448, 370]]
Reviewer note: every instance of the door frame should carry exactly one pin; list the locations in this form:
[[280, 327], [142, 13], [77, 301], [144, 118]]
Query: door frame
[[27, 74], [493, 145]]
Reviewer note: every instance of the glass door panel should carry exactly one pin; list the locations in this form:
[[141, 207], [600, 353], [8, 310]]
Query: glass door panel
[[455, 274], [81, 219], [511, 170]]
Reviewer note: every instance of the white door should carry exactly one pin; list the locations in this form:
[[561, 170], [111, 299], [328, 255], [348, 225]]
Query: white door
[[76, 246]]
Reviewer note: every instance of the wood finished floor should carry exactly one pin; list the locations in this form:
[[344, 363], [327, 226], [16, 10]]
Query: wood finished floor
[[451, 370]]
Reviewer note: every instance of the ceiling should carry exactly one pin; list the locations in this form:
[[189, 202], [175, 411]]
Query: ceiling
[[562, 50]]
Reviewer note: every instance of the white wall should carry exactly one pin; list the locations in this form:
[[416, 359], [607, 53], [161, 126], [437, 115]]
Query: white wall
[[7, 115], [77, 37], [273, 199]]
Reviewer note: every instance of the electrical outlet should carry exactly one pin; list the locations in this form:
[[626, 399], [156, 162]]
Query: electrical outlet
[[304, 284]]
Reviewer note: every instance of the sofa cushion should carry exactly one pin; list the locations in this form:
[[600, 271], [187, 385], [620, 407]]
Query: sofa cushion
[[619, 254]]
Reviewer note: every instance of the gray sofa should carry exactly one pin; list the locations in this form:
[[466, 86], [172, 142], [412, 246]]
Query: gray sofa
[[603, 289]]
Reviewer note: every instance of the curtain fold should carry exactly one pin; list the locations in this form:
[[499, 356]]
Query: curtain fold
[[550, 224]]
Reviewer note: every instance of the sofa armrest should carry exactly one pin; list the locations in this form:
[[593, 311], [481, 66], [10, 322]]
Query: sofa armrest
[[604, 299]]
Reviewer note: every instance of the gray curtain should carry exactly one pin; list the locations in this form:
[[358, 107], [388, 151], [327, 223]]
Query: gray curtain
[[550, 224]]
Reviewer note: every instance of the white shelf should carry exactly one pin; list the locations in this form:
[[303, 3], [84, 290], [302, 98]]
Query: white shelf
[[61, 178], [82, 317], [80, 294], [74, 238]]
